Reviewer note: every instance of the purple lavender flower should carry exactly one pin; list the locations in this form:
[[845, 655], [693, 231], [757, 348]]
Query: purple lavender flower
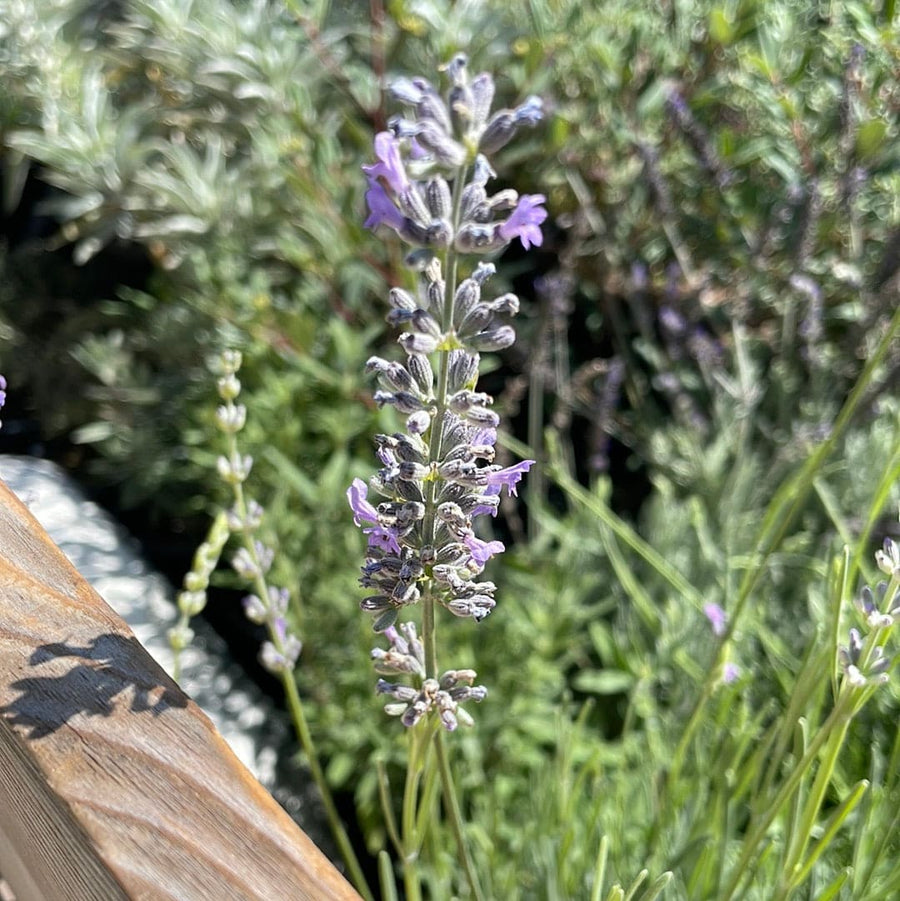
[[525, 221], [364, 512], [508, 478], [389, 165], [382, 210], [482, 551]]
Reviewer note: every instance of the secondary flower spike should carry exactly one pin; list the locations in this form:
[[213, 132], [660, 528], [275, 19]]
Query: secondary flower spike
[[424, 510]]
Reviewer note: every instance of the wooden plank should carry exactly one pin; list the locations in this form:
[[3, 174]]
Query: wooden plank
[[113, 783]]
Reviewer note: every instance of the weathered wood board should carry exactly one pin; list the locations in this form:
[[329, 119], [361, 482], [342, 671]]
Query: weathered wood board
[[113, 783]]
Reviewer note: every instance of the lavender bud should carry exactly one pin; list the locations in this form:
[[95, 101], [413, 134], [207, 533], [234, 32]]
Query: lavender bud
[[446, 151], [235, 469], [426, 324], [231, 419], [434, 292], [414, 343], [413, 472], [230, 361], [254, 609], [493, 339], [375, 603], [229, 386], [475, 207], [406, 91], [468, 294], [503, 201], [452, 515], [279, 600], [505, 123], [506, 303], [392, 375], [418, 423], [279, 663], [483, 271], [402, 300], [432, 107], [180, 637], [482, 96], [475, 238], [190, 603], [238, 522], [402, 400], [476, 320], [482, 417], [437, 197], [420, 369], [463, 370], [887, 559]]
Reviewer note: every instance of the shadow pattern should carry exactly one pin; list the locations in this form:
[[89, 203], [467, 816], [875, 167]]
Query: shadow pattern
[[102, 674]]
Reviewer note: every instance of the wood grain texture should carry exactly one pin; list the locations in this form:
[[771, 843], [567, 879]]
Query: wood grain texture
[[113, 783]]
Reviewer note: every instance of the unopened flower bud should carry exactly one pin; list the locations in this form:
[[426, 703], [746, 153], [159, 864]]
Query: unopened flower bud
[[229, 386], [416, 343], [420, 369], [418, 423], [463, 370], [254, 609], [426, 324], [231, 418], [437, 198], [493, 339], [402, 300], [235, 469], [190, 603]]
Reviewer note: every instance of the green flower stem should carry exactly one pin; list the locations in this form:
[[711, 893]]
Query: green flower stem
[[384, 795], [455, 816], [334, 820], [411, 840], [295, 707], [413, 824]]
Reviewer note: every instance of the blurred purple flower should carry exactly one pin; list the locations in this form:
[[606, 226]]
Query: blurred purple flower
[[730, 673], [717, 618], [525, 221]]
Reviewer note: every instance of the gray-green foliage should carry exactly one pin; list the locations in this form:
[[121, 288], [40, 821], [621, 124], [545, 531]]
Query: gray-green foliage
[[223, 140]]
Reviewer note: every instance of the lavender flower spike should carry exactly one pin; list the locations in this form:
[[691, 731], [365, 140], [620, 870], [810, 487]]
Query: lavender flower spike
[[438, 479]]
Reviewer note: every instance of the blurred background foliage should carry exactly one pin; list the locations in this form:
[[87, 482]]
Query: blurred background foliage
[[183, 176]]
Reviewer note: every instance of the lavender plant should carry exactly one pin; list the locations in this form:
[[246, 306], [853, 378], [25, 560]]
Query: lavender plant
[[268, 605], [438, 478]]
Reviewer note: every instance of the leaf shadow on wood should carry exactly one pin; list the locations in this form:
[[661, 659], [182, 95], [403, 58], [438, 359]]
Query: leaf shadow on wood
[[110, 675]]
